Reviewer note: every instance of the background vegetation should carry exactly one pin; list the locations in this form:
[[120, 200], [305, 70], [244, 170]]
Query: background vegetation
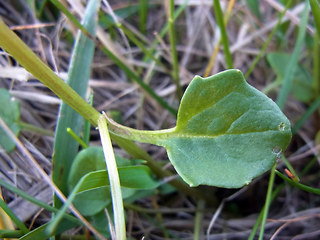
[[146, 54]]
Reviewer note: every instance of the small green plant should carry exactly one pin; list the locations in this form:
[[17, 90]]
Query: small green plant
[[227, 132]]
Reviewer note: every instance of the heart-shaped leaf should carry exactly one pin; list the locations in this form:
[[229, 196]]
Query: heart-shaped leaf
[[227, 132]]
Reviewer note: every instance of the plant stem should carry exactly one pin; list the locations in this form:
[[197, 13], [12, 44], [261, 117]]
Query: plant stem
[[224, 36], [198, 220], [268, 201], [77, 138], [259, 219], [114, 181], [143, 11], [32, 63], [299, 185], [216, 48], [174, 50]]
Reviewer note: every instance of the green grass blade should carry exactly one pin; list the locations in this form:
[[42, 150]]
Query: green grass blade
[[72, 18], [87, 125], [266, 44], [40, 233], [316, 64], [224, 36], [254, 7], [10, 233], [289, 74], [65, 147], [315, 105], [13, 217], [268, 201], [77, 138], [116, 195], [34, 200], [315, 8], [174, 54], [259, 219], [143, 12], [12, 44]]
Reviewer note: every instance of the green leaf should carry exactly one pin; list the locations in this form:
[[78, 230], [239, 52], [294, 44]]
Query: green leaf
[[65, 147], [93, 195], [90, 163], [227, 132], [10, 113], [302, 87], [254, 7]]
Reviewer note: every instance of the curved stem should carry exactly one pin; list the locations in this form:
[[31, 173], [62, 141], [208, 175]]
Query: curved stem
[[144, 136]]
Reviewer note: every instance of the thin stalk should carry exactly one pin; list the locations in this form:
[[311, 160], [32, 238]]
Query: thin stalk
[[289, 73], [268, 201], [87, 125], [72, 18], [315, 8], [299, 185], [266, 44], [143, 11], [291, 169], [316, 64], [216, 48], [198, 234], [144, 136], [11, 43], [77, 138], [224, 36], [114, 181], [174, 54], [259, 219]]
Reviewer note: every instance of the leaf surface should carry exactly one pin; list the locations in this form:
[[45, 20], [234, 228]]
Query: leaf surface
[[227, 132], [89, 182]]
